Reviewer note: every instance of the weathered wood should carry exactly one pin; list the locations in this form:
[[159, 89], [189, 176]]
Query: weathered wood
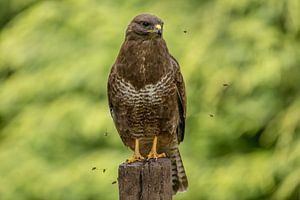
[[148, 180]]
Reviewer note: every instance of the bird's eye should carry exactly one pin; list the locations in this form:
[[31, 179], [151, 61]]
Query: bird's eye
[[145, 24]]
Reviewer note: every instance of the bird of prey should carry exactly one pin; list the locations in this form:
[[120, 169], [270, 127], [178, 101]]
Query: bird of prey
[[147, 98]]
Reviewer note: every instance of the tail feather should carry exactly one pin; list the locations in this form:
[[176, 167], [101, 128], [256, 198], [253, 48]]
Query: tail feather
[[179, 178]]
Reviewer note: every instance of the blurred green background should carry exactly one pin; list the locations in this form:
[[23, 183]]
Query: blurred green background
[[241, 63]]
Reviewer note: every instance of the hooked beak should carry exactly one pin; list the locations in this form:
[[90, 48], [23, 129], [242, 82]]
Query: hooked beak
[[157, 29]]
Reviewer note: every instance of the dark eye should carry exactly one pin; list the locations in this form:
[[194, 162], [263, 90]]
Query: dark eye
[[145, 24]]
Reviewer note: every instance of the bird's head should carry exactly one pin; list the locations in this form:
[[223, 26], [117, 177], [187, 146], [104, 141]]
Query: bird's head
[[145, 26]]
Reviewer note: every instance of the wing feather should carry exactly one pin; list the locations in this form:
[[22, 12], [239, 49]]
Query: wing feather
[[181, 99]]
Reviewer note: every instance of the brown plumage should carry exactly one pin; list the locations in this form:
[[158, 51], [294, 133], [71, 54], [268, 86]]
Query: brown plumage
[[147, 97]]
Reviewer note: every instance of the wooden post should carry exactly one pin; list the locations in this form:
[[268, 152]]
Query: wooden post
[[148, 180]]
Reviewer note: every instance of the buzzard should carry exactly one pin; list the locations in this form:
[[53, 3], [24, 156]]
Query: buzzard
[[146, 95]]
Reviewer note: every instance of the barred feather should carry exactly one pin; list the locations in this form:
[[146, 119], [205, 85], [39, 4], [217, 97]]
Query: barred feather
[[179, 178]]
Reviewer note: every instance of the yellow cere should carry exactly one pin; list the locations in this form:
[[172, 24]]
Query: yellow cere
[[158, 26]]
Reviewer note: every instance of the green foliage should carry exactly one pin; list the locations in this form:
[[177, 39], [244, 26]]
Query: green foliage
[[240, 60]]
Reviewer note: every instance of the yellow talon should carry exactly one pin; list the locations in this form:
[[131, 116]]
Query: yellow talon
[[153, 153], [136, 155]]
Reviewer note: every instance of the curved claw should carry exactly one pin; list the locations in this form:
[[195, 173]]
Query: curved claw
[[135, 157], [155, 155]]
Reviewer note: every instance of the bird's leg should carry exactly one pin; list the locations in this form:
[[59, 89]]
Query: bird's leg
[[153, 153], [136, 155]]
